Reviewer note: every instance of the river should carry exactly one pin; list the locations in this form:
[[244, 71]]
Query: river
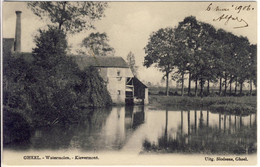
[[141, 129]]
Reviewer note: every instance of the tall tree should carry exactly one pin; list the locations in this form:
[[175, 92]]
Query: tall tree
[[131, 62], [51, 46], [182, 66], [97, 44], [160, 51], [69, 16], [189, 36], [184, 35], [231, 62], [205, 41], [55, 77], [222, 57], [194, 38], [242, 51], [229, 59], [218, 62], [253, 67]]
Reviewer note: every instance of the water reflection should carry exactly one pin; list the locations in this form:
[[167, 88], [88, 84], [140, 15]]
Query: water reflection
[[203, 134], [103, 129], [140, 129]]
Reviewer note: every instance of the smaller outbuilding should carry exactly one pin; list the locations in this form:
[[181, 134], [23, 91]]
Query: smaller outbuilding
[[140, 92]]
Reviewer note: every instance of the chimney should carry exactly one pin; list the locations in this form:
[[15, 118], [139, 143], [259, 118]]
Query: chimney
[[17, 42]]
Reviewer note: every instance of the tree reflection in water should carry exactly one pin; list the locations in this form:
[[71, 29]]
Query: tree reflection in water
[[236, 138], [138, 129], [101, 129], [64, 137]]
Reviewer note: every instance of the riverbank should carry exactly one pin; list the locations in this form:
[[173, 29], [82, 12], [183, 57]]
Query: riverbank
[[234, 105]]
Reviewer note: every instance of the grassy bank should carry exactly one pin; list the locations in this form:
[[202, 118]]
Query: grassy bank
[[234, 105], [213, 91]]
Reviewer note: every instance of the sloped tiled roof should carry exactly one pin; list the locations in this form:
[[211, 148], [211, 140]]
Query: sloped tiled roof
[[100, 61]]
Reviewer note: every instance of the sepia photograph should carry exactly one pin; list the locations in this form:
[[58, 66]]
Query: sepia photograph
[[129, 83]]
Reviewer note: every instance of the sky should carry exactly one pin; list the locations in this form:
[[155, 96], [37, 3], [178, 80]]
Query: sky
[[129, 25]]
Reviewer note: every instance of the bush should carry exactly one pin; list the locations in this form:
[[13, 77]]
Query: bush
[[15, 127], [232, 109], [161, 93], [92, 90]]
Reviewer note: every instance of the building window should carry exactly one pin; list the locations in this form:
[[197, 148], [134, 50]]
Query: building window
[[118, 73], [118, 92]]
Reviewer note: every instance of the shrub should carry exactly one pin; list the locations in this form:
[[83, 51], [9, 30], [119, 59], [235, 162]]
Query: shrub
[[15, 127], [232, 108], [161, 93], [92, 89]]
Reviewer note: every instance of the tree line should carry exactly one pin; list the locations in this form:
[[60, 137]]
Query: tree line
[[205, 54]]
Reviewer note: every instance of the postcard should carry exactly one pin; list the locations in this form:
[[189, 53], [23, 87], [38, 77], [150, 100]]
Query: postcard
[[129, 83]]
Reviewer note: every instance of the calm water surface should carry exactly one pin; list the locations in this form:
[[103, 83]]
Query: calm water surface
[[143, 129]]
